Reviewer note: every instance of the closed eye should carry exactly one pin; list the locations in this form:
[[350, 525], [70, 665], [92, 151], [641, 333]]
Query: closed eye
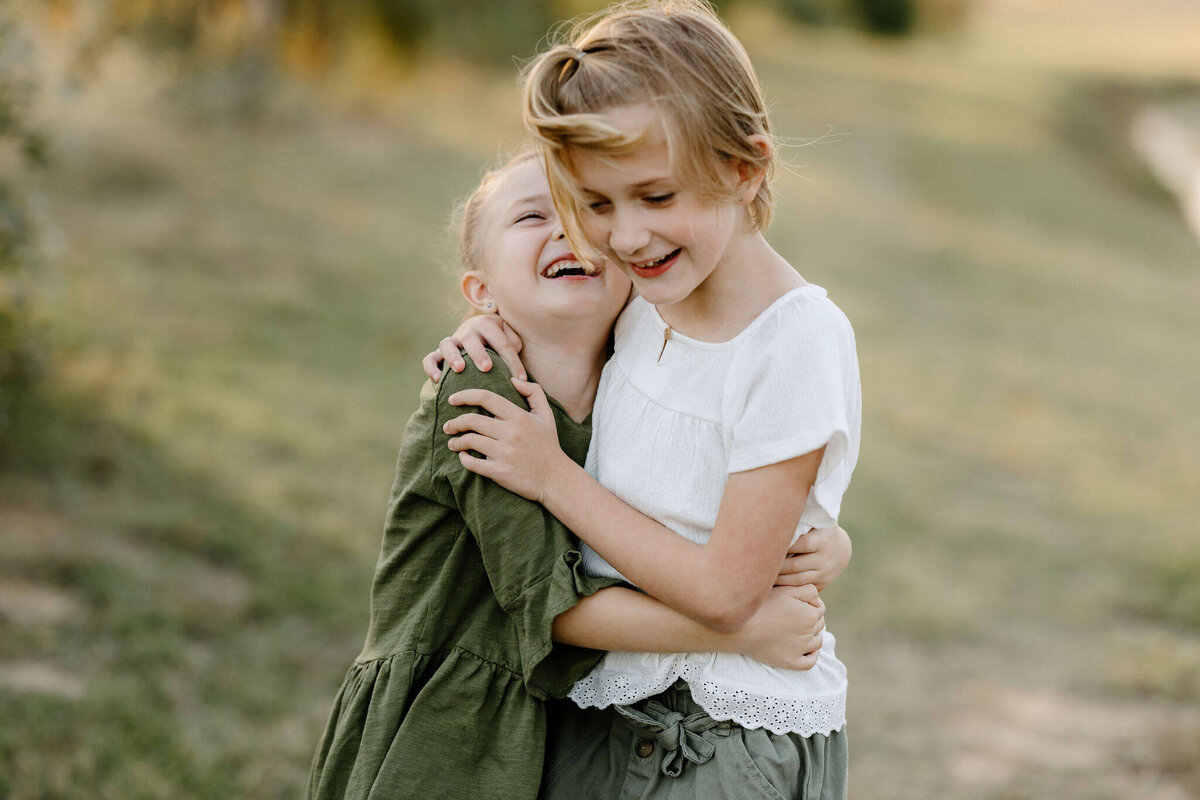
[[660, 199], [598, 206], [529, 215]]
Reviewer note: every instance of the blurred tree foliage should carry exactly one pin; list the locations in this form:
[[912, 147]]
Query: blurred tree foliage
[[315, 33], [21, 147], [310, 36], [890, 17], [481, 30], [884, 17]]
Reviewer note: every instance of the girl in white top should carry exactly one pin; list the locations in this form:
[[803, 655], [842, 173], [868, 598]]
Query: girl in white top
[[727, 422]]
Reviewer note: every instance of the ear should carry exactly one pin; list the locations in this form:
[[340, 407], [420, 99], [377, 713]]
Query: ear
[[750, 177], [475, 289]]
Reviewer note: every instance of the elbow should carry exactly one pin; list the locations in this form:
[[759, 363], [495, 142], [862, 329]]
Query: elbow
[[724, 623], [729, 602], [729, 614]]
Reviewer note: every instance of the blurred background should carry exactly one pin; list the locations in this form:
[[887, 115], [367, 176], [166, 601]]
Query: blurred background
[[224, 249]]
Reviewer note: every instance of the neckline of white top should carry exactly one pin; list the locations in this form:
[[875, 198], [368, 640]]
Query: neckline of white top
[[700, 344]]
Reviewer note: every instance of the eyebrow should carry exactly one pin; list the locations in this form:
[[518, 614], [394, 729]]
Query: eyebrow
[[528, 201], [637, 187], [651, 182]]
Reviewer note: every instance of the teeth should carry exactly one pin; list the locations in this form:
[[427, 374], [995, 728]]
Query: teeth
[[655, 262], [559, 266]]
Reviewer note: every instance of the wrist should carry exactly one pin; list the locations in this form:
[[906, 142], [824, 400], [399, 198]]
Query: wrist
[[558, 478], [735, 642]]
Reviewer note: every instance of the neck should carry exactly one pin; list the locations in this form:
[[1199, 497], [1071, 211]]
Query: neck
[[567, 363], [749, 277]]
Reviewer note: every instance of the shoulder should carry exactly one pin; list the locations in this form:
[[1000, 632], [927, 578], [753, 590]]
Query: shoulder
[[498, 379], [637, 312], [808, 311], [801, 321], [436, 411]]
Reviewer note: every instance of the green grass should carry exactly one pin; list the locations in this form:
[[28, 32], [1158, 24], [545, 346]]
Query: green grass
[[238, 315]]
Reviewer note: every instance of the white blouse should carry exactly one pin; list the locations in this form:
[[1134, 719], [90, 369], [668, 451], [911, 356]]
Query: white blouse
[[666, 432]]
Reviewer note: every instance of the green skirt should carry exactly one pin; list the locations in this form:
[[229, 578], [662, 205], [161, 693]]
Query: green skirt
[[667, 748]]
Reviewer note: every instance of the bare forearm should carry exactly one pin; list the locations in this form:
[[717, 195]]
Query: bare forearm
[[623, 619], [684, 575], [720, 584]]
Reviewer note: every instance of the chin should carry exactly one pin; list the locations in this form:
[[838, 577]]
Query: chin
[[659, 295]]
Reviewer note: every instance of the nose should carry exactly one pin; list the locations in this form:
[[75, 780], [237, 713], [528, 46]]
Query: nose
[[628, 234]]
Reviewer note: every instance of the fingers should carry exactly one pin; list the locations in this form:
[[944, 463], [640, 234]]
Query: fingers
[[502, 343], [508, 350], [479, 466], [796, 563], [807, 577], [810, 644], [806, 543], [514, 338], [448, 349], [816, 617], [806, 662], [811, 653], [477, 349], [810, 562], [489, 330], [538, 404], [477, 423], [446, 353], [489, 401], [473, 441], [808, 593], [432, 364]]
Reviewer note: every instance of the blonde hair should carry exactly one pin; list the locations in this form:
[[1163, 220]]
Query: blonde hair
[[678, 56], [467, 218], [468, 214]]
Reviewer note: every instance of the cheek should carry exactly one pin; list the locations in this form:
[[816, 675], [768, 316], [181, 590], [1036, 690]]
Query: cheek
[[625, 270], [708, 225], [595, 228], [621, 284]]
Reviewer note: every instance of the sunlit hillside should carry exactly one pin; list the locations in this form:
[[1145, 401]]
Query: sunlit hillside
[[236, 303]]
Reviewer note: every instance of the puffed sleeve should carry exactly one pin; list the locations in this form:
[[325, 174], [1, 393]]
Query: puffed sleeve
[[796, 390], [531, 559]]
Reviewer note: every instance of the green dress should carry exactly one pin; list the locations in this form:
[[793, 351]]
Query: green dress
[[446, 698]]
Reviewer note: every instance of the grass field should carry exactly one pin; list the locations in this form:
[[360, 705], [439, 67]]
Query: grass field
[[238, 309]]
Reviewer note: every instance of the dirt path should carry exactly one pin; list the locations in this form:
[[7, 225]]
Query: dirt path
[[1170, 147]]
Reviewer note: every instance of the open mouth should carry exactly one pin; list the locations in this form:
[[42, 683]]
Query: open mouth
[[571, 268], [658, 265]]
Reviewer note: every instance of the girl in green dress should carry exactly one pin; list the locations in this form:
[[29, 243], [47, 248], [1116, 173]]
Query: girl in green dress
[[480, 611]]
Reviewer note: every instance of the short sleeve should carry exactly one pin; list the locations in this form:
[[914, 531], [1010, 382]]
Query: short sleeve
[[531, 559], [794, 389]]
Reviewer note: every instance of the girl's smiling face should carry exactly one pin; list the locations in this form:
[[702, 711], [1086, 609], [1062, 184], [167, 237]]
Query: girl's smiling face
[[532, 277], [668, 239]]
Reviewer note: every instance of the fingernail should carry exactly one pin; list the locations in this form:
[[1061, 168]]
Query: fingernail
[[485, 365]]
